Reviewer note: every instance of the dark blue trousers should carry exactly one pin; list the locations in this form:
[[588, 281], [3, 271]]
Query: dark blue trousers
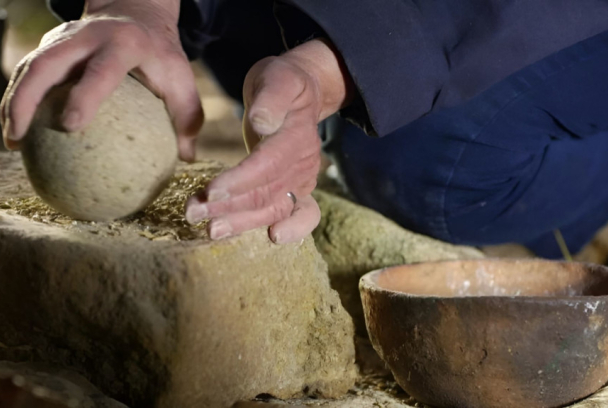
[[523, 158]]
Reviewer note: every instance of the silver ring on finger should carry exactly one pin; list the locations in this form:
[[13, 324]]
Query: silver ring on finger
[[294, 200]]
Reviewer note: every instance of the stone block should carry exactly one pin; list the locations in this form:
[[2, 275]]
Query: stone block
[[162, 317], [355, 240]]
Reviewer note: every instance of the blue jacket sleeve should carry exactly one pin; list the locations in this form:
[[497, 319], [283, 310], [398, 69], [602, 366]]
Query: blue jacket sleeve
[[194, 19], [396, 65], [409, 58]]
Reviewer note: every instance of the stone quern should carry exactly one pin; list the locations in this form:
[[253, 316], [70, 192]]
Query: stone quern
[[114, 167], [355, 240], [166, 322]]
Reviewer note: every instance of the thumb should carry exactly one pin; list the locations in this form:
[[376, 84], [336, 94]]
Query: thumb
[[271, 88]]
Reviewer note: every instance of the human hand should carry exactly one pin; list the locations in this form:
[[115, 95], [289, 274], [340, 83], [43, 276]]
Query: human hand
[[113, 38], [285, 99]]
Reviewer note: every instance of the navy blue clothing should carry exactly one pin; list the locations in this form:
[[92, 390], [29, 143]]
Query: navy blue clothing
[[514, 163], [407, 57], [412, 57], [492, 112]]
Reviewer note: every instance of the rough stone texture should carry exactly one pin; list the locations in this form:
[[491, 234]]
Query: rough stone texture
[[173, 324], [46, 386], [115, 166], [376, 388], [355, 240]]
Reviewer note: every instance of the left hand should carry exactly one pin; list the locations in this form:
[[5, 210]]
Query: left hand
[[285, 99]]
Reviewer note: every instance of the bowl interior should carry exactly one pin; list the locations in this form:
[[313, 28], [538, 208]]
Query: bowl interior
[[496, 278]]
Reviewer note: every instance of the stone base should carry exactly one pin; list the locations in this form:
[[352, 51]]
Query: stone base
[[355, 240], [376, 388], [167, 323]]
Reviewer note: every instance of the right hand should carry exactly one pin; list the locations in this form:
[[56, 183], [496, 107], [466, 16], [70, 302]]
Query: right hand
[[114, 38]]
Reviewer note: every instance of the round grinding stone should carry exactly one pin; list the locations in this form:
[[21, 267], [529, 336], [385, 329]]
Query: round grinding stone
[[114, 167]]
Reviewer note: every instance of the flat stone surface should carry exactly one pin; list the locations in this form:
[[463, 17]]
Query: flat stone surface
[[170, 323], [355, 240]]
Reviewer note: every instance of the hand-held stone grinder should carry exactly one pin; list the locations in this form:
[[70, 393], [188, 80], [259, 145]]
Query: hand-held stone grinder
[[114, 167]]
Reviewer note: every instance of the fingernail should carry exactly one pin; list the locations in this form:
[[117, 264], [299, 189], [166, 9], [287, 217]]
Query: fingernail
[[9, 134], [71, 120], [217, 195], [275, 236], [195, 213], [187, 150], [262, 123], [220, 229], [285, 238]]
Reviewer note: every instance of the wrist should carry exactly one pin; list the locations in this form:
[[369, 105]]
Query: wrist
[[170, 8], [322, 61]]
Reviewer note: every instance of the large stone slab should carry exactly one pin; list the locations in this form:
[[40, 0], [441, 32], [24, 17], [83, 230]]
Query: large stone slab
[[355, 240], [160, 316]]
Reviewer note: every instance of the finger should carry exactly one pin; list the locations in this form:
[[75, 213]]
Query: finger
[[198, 209], [271, 94], [53, 36], [3, 115], [39, 74], [234, 224], [14, 76], [174, 82], [303, 221], [102, 75], [274, 157]]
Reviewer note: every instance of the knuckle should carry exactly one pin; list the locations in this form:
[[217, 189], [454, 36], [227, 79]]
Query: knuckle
[[68, 26], [177, 59], [260, 197], [298, 80], [268, 161], [279, 212], [39, 60], [96, 67], [261, 65], [180, 78], [100, 70], [256, 75], [37, 64], [308, 187], [130, 37], [309, 165], [273, 167], [59, 32]]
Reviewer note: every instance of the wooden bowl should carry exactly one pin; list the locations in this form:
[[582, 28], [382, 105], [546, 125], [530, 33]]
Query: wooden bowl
[[491, 333]]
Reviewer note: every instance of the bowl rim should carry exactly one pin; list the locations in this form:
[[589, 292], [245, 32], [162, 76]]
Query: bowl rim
[[368, 283]]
